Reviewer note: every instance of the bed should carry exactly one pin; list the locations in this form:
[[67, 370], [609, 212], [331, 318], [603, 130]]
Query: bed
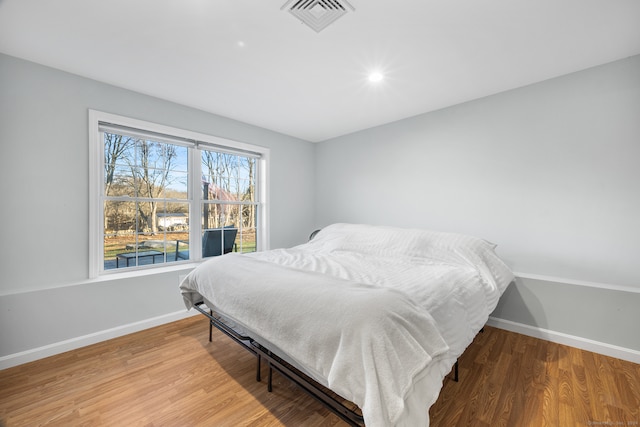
[[378, 315]]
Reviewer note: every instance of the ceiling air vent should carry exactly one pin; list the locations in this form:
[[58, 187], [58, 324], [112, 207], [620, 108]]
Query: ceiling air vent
[[317, 14]]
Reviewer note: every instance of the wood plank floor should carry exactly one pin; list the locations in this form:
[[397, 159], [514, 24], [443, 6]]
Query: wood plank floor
[[172, 376]]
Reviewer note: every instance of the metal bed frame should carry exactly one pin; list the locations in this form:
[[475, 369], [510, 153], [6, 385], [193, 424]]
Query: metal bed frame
[[329, 399], [308, 385]]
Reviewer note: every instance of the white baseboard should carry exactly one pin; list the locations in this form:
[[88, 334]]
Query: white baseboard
[[85, 340], [566, 339], [78, 342]]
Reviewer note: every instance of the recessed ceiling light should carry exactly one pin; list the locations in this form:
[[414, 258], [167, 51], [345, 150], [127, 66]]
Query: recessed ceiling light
[[375, 77]]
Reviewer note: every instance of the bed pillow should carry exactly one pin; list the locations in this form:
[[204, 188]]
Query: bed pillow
[[415, 244]]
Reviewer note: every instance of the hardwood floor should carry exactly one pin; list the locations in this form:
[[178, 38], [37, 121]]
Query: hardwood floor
[[172, 376]]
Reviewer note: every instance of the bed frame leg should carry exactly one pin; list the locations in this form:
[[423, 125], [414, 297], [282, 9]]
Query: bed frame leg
[[270, 379], [211, 327], [258, 377], [456, 377]]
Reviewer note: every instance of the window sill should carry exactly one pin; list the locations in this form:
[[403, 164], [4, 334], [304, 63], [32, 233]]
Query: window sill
[[117, 275]]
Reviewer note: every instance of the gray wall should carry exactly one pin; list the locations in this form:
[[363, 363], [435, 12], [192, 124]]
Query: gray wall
[[550, 172], [45, 296], [608, 316], [547, 171]]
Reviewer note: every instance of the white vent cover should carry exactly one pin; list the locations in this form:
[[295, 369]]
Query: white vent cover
[[317, 14]]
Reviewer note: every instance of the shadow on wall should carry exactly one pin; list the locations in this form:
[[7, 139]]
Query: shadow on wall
[[519, 304]]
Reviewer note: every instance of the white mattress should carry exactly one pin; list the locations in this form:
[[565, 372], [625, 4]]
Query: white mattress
[[377, 314]]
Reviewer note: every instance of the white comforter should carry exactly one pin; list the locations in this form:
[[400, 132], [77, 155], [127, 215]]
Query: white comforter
[[377, 314]]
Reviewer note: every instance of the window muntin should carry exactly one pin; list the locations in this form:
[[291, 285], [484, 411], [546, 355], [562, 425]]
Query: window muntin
[[161, 192]]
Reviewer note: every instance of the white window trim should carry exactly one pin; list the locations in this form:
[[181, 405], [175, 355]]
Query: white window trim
[[96, 160]]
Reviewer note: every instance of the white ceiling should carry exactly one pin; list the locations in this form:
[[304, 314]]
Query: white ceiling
[[251, 61]]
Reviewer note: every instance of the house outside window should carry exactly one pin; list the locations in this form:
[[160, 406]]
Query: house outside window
[[161, 195]]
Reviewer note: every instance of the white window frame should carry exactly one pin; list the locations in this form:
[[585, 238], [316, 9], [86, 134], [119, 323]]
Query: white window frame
[[96, 186]]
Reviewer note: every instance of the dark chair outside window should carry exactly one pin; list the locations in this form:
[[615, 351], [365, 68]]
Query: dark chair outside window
[[215, 241]]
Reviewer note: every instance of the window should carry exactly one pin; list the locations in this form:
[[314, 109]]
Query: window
[[161, 195]]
